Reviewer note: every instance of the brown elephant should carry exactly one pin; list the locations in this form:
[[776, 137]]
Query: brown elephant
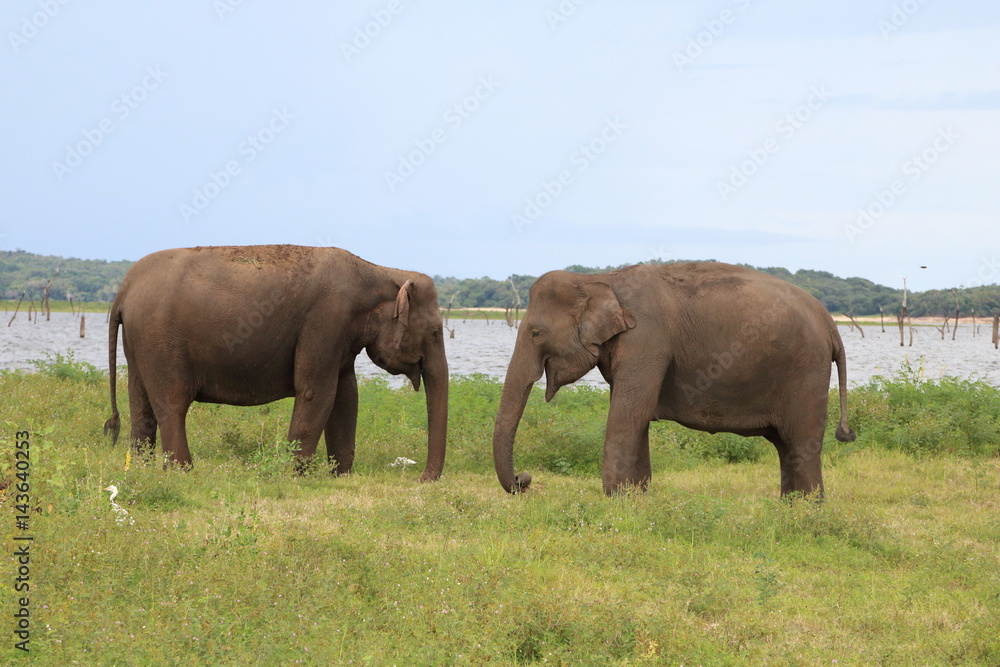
[[711, 346], [253, 324]]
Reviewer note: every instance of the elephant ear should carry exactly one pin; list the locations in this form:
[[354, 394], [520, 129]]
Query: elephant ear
[[402, 313], [602, 316]]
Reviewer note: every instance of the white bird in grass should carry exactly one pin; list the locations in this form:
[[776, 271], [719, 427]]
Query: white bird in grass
[[123, 517]]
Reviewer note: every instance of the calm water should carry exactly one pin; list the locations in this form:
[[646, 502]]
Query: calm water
[[479, 347]]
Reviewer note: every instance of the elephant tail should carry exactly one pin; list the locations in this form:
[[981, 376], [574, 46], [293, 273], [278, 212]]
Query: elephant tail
[[112, 426], [844, 432]]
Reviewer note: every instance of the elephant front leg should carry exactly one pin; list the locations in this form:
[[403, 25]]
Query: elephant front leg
[[341, 427], [626, 443]]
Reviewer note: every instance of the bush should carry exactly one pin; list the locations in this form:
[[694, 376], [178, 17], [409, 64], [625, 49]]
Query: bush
[[68, 368], [922, 417], [723, 446]]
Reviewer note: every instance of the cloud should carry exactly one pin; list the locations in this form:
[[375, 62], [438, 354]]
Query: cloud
[[942, 101]]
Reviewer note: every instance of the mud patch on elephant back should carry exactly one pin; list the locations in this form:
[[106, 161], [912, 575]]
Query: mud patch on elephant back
[[291, 257], [253, 261]]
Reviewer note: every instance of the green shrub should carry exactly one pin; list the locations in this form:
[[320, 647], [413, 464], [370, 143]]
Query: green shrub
[[68, 368], [726, 447], [924, 417]]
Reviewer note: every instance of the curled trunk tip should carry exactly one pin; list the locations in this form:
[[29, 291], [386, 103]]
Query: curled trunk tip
[[521, 483]]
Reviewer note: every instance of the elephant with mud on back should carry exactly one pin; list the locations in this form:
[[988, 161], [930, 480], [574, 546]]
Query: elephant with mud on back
[[714, 347], [247, 325]]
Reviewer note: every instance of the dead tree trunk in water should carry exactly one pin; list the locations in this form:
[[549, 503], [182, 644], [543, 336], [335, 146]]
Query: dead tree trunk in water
[[943, 326], [901, 317], [881, 318], [15, 310], [448, 314], [853, 323], [973, 322], [996, 331], [904, 316], [517, 303], [955, 329], [83, 318], [45, 296]]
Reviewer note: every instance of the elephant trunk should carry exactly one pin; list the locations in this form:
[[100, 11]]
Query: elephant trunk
[[516, 389], [435, 374]]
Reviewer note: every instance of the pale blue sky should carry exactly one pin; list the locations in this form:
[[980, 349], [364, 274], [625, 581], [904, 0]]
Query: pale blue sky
[[473, 139]]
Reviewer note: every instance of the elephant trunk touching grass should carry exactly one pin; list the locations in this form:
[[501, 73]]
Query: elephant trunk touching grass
[[516, 388], [435, 375]]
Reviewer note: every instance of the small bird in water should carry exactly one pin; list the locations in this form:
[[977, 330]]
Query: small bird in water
[[123, 516]]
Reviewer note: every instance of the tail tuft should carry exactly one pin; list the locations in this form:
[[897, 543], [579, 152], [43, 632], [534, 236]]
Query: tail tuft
[[845, 434], [112, 427]]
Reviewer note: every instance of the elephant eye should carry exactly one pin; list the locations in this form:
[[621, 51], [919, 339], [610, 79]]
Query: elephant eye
[[535, 333]]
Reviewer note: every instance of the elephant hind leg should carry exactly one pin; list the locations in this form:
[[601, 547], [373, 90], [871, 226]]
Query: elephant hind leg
[[143, 432], [173, 429], [800, 459], [171, 396]]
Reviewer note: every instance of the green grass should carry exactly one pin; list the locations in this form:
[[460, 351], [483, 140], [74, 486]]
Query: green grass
[[239, 562]]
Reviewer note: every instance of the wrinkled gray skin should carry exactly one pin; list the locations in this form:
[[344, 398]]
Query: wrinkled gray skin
[[711, 346], [254, 324]]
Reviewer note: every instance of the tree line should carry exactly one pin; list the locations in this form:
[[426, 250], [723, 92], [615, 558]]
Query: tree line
[[27, 273], [858, 296], [97, 280]]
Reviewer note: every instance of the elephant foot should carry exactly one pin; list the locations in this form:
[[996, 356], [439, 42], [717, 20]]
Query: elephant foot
[[626, 487], [430, 476]]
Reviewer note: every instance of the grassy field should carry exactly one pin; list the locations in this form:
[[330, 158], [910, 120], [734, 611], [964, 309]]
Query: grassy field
[[238, 562]]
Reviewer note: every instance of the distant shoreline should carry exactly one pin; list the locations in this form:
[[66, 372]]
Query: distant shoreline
[[9, 305], [61, 306]]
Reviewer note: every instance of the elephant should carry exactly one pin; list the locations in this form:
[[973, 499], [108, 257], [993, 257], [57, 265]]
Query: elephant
[[247, 325], [711, 346]]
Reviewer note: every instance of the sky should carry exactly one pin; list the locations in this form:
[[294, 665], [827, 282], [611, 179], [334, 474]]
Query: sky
[[477, 139]]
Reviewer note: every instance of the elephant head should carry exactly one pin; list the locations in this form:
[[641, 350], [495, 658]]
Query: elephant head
[[410, 341], [569, 317]]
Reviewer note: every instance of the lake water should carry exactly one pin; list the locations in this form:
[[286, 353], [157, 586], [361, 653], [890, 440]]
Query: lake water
[[481, 347]]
